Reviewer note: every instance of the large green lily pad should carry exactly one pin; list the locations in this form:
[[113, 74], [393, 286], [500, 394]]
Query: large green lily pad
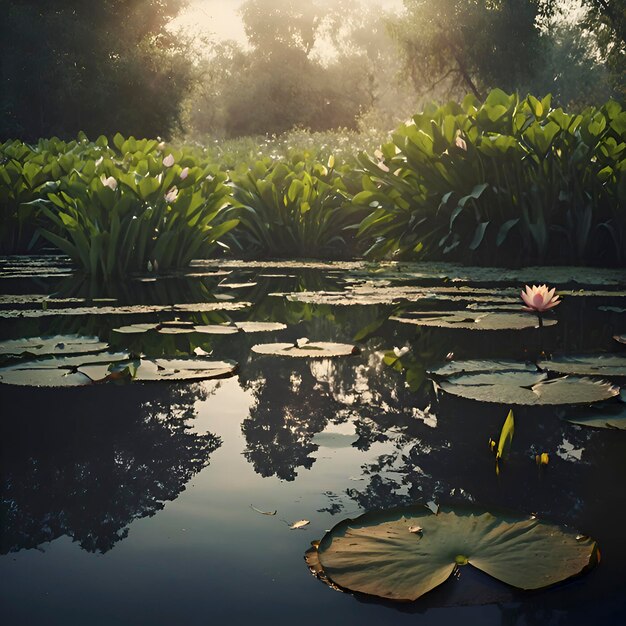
[[404, 553], [473, 320], [74, 371], [587, 365], [60, 371], [528, 388], [58, 344], [459, 367], [319, 350]]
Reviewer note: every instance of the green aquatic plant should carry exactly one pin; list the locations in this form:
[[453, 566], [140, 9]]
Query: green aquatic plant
[[300, 209], [509, 180], [125, 220]]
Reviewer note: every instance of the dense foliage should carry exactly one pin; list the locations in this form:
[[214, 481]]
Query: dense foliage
[[112, 209], [508, 181], [100, 67]]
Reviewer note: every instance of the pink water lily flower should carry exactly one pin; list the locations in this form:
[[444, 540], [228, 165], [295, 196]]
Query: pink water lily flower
[[459, 142], [539, 298], [168, 161], [184, 173]]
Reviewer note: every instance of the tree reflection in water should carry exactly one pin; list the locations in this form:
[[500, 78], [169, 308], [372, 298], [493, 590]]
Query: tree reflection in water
[[296, 399], [290, 409], [88, 462]]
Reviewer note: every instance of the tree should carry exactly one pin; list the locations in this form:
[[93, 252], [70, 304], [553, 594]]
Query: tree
[[469, 45], [99, 67], [319, 65]]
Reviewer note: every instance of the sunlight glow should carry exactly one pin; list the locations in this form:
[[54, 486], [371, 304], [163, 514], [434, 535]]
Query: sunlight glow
[[220, 19]]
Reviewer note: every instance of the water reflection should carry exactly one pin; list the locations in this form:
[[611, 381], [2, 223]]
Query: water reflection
[[87, 463], [288, 410]]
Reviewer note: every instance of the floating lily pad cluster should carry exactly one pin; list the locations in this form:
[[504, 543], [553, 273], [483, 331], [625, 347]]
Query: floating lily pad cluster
[[473, 320], [73, 361], [402, 554], [177, 327], [515, 383]]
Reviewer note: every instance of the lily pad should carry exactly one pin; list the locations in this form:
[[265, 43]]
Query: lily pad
[[459, 367], [184, 370], [319, 350], [59, 344], [378, 554], [474, 320], [587, 365], [59, 371], [620, 338], [528, 388], [44, 377], [216, 329], [609, 415], [260, 327], [134, 329]]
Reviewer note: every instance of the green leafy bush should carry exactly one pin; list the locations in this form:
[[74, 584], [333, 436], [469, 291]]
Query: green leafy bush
[[299, 209], [504, 182], [113, 217]]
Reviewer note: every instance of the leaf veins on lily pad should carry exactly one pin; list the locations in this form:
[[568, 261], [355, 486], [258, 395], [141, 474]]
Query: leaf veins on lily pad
[[319, 350], [378, 555]]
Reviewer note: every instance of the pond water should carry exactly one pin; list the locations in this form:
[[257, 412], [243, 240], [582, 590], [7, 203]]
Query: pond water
[[142, 503]]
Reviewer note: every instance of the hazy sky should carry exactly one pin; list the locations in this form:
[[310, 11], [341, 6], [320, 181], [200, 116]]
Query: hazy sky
[[221, 19]]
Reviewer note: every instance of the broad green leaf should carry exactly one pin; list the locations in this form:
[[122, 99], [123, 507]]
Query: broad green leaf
[[379, 554]]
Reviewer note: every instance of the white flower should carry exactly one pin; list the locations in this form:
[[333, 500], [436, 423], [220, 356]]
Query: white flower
[[168, 161], [184, 173], [400, 352], [99, 161], [171, 195], [459, 142], [109, 182], [161, 146]]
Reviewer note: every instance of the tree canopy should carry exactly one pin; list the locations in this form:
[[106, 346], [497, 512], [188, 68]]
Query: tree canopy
[[100, 67]]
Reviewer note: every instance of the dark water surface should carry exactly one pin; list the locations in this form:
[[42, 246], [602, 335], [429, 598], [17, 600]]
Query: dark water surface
[[130, 504]]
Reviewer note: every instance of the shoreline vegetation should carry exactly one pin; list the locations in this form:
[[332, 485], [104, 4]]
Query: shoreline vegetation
[[506, 182]]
